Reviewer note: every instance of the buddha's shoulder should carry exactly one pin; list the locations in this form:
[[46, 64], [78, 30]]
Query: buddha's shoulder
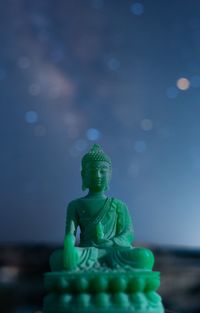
[[118, 203], [74, 203]]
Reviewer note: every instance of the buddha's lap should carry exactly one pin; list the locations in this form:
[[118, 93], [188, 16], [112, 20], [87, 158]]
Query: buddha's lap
[[135, 257]]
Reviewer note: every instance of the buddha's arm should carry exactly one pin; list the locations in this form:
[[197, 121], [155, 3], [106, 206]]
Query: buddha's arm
[[70, 254], [124, 234], [71, 219]]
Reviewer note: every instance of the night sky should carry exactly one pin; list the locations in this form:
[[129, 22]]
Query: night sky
[[124, 74]]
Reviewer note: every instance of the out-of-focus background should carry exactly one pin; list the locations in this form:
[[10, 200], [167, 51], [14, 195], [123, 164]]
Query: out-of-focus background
[[125, 74]]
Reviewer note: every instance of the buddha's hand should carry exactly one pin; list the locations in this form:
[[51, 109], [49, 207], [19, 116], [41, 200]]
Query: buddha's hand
[[70, 253], [119, 242], [103, 243]]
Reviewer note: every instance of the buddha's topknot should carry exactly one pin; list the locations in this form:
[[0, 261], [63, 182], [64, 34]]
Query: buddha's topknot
[[95, 154]]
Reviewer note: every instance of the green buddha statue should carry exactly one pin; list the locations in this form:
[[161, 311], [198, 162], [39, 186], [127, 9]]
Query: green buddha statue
[[106, 232], [104, 271]]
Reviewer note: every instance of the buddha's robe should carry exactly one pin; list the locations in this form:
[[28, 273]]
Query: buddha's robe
[[111, 223]]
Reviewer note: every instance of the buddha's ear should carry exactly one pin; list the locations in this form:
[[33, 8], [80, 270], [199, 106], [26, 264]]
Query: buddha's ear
[[83, 181], [106, 188], [83, 187], [107, 185], [109, 179], [110, 174]]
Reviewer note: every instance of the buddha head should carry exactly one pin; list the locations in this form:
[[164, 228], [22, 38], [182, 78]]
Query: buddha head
[[96, 170]]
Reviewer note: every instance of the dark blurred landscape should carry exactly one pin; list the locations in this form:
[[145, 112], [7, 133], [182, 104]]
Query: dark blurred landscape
[[22, 268]]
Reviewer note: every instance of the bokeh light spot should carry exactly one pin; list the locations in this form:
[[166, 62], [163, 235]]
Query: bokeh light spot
[[9, 274], [93, 134], [137, 8], [183, 83], [140, 146], [172, 92], [31, 117], [195, 81], [146, 124]]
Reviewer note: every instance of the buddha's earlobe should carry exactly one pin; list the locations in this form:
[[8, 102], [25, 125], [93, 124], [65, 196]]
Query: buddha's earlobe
[[84, 187], [108, 183], [106, 188]]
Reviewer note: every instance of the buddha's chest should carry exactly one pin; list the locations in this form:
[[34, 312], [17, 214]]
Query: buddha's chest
[[89, 208]]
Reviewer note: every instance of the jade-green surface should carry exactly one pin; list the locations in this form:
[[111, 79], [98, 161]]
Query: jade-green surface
[[104, 271]]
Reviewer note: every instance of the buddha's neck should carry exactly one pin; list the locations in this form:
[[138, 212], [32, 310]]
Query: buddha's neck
[[96, 194]]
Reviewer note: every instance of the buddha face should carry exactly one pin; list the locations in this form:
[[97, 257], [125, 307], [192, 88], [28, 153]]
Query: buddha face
[[96, 176]]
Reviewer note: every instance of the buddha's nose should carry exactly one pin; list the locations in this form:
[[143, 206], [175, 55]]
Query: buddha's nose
[[98, 174]]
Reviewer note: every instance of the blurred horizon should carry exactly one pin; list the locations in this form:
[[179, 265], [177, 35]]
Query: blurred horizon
[[124, 74]]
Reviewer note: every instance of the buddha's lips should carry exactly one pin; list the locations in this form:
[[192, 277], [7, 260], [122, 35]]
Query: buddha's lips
[[99, 182]]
